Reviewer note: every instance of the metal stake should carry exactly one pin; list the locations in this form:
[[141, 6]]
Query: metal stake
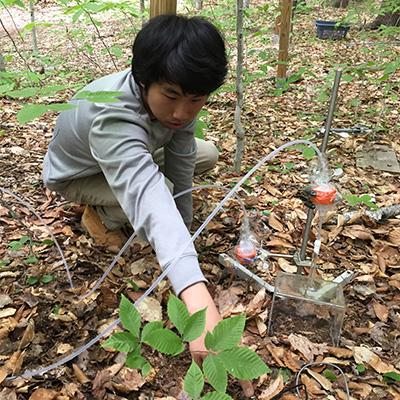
[[328, 124]]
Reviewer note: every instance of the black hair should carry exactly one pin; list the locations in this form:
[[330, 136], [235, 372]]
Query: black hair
[[189, 52]]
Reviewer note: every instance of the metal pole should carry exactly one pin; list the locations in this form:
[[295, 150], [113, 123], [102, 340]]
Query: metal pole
[[332, 106], [328, 124]]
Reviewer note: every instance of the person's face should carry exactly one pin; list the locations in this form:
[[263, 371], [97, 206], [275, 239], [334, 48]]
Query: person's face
[[170, 106]]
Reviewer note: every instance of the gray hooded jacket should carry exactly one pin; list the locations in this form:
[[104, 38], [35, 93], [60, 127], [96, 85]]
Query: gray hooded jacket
[[118, 139]]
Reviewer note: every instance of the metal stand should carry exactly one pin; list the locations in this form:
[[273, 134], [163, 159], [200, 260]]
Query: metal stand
[[300, 259]]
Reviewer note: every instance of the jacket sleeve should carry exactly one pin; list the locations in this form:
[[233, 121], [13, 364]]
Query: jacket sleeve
[[119, 143], [179, 164]]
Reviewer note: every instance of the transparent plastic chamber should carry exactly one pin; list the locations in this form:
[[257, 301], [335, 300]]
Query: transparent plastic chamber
[[313, 309]]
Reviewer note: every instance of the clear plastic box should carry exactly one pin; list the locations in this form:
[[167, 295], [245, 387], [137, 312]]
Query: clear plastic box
[[308, 306]]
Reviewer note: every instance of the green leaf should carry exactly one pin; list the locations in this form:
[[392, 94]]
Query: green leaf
[[226, 334], [18, 244], [177, 313], [6, 87], [116, 51], [146, 369], [31, 260], [32, 280], [51, 89], [122, 341], [215, 373], [61, 106], [392, 375], [26, 92], [328, 374], [361, 368], [195, 325], [129, 316], [135, 360], [149, 328], [216, 396], [47, 279], [193, 382], [30, 111], [308, 153], [165, 341], [243, 363]]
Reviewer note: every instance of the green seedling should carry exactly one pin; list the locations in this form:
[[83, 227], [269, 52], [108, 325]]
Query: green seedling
[[391, 377], [225, 356], [365, 199], [44, 279]]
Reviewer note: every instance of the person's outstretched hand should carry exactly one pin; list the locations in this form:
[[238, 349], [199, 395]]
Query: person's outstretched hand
[[197, 297]]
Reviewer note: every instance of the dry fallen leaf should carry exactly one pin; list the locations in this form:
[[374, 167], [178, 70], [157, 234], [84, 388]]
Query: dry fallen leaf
[[7, 312], [226, 301], [341, 352], [43, 394], [324, 382], [363, 355], [273, 389], [128, 380], [80, 375], [274, 223], [292, 361], [381, 311], [277, 352], [286, 266], [312, 386], [101, 382], [394, 236], [28, 335], [150, 309], [362, 389], [306, 347], [256, 303]]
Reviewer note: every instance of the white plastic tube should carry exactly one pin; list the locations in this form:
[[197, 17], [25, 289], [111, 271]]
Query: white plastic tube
[[129, 241], [28, 374]]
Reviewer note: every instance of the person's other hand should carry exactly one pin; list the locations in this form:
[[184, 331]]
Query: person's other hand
[[197, 297]]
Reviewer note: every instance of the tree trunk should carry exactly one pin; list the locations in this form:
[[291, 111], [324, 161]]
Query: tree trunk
[[142, 9], [284, 35], [34, 36], [240, 133], [388, 19], [2, 63], [199, 5], [159, 7], [340, 3]]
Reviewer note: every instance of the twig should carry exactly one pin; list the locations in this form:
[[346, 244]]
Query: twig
[[15, 46], [12, 20], [379, 215], [240, 133], [99, 34], [92, 60]]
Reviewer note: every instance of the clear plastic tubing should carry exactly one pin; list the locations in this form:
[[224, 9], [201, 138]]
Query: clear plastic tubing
[[40, 371], [29, 207], [128, 242]]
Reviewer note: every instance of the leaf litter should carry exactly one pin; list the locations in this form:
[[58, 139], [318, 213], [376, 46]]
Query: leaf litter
[[42, 318]]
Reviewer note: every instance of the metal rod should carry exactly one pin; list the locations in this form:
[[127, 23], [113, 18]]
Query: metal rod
[[328, 124], [331, 110], [307, 230]]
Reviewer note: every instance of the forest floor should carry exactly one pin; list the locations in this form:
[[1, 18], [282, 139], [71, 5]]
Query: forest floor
[[43, 320]]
